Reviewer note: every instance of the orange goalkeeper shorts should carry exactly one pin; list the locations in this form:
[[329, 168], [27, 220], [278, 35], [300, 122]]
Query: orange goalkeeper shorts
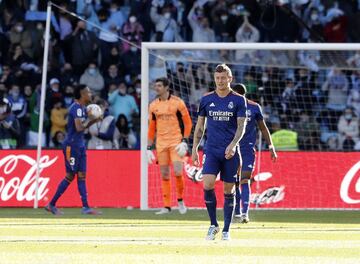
[[166, 156]]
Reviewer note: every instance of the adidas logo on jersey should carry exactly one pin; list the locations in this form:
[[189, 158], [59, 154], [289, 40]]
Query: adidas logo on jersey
[[212, 105]]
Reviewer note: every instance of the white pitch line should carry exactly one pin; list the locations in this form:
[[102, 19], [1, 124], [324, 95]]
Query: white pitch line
[[265, 243]]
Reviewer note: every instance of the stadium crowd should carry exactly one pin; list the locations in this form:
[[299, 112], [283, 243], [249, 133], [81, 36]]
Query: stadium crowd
[[81, 53]]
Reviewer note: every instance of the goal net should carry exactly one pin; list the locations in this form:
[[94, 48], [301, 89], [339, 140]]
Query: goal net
[[310, 97]]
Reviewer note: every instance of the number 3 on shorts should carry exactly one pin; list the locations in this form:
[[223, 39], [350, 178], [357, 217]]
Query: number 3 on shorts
[[72, 161]]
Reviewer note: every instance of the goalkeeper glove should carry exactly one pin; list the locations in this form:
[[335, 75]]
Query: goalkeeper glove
[[182, 148], [150, 155]]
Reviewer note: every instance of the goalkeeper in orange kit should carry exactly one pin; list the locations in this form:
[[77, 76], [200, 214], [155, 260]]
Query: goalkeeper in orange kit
[[170, 123]]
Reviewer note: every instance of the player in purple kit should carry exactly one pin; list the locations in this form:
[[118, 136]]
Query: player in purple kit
[[224, 113], [247, 149], [74, 150]]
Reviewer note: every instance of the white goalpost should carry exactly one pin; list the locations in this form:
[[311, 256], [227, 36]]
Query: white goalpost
[[163, 51]]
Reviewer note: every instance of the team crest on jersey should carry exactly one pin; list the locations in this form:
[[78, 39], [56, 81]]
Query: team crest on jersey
[[231, 105]]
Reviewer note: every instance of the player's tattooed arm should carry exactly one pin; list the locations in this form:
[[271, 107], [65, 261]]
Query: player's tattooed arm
[[240, 130], [198, 134]]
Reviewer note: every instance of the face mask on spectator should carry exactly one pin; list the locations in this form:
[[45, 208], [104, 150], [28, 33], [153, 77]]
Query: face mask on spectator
[[40, 26], [138, 90], [132, 19], [348, 116], [264, 78], [314, 16], [19, 28], [133, 49], [167, 15], [92, 71], [224, 18]]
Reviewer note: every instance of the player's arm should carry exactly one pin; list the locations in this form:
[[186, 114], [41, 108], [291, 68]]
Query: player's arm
[[151, 136], [182, 148], [266, 133], [82, 125], [240, 130], [198, 134]]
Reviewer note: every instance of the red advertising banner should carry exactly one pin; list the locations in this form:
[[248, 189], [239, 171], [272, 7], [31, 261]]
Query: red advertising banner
[[112, 178], [297, 180]]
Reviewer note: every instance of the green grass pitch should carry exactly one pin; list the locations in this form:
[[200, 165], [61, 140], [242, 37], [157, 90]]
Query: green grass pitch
[[134, 236]]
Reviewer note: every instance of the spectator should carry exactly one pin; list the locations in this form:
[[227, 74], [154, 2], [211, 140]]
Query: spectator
[[284, 139], [54, 94], [102, 133], [68, 96], [83, 49], [222, 28], [354, 96], [201, 31], [58, 139], [288, 98], [125, 137], [348, 129], [67, 75], [58, 118], [336, 87], [112, 76], [122, 103], [20, 35], [246, 33], [7, 77], [166, 27], [9, 126], [132, 63], [308, 132], [132, 31], [336, 28], [93, 79], [34, 106]]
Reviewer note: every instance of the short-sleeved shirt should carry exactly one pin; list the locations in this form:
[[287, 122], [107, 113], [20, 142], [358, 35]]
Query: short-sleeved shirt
[[73, 137], [221, 114], [254, 114], [168, 115]]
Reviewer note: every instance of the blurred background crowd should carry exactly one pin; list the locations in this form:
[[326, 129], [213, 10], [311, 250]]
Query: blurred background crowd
[[321, 107]]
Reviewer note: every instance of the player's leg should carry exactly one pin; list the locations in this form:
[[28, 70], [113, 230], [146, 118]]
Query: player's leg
[[164, 160], [211, 168], [81, 182], [70, 158], [245, 195], [179, 179], [63, 185], [229, 175], [237, 211], [248, 156]]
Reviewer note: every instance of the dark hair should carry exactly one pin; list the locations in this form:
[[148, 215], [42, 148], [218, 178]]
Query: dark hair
[[165, 81], [240, 88], [78, 89], [223, 68], [122, 129]]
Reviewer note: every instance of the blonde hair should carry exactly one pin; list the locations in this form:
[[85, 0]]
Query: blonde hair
[[223, 68]]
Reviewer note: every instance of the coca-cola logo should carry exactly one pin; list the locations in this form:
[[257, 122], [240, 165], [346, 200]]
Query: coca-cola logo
[[350, 186], [22, 187]]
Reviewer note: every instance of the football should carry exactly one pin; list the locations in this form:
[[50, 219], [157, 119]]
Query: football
[[94, 110]]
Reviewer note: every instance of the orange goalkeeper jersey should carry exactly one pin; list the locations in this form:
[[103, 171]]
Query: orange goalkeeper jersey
[[169, 120]]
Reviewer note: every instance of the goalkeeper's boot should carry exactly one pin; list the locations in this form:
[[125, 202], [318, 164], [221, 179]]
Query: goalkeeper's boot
[[225, 235], [213, 230], [182, 207], [244, 219], [165, 210], [90, 211], [53, 209]]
